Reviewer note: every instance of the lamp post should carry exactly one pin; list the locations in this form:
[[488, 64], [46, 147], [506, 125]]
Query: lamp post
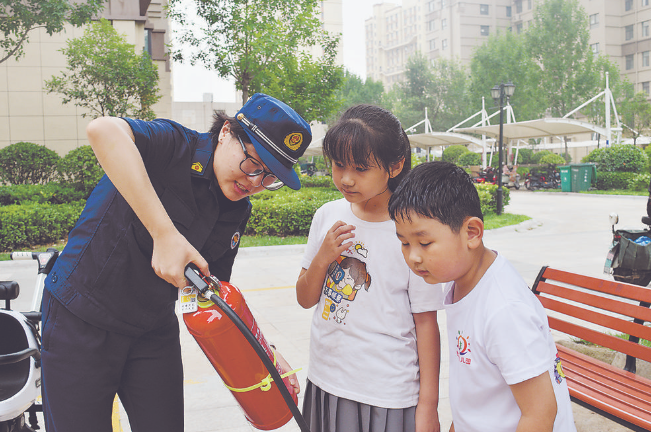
[[498, 93]]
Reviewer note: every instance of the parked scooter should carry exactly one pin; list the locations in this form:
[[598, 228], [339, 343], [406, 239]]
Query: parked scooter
[[542, 180], [510, 177], [487, 175], [629, 258]]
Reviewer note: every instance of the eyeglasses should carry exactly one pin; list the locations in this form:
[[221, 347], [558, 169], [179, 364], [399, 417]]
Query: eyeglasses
[[253, 168]]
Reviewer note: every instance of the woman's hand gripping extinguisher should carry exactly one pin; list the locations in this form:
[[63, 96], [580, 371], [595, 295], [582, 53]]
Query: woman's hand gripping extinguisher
[[232, 358]]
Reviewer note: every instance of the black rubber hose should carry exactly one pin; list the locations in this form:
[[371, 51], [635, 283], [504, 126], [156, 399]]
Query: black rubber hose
[[191, 274]]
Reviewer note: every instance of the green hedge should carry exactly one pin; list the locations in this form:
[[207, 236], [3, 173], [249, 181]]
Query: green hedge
[[488, 197], [36, 224], [287, 212], [53, 193], [614, 180]]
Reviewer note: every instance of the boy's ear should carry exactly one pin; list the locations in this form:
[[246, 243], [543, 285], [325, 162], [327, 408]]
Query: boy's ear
[[474, 228], [396, 168]]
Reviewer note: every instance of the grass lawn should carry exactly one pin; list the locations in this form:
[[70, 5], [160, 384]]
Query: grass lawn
[[491, 222]]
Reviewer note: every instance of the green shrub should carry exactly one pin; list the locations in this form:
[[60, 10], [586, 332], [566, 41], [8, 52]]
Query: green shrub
[[525, 156], [287, 213], [53, 193], [469, 158], [80, 169], [453, 152], [34, 224], [535, 159], [488, 197], [317, 181], [552, 159], [614, 180], [619, 158], [27, 163], [640, 182]]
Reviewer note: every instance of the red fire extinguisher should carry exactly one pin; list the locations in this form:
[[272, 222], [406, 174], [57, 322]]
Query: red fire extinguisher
[[235, 359]]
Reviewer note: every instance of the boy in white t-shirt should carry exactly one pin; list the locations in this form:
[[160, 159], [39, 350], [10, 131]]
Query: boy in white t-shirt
[[505, 374]]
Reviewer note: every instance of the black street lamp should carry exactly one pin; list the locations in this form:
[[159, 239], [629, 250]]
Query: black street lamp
[[498, 93]]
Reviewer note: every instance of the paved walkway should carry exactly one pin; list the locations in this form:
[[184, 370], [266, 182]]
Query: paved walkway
[[569, 231]]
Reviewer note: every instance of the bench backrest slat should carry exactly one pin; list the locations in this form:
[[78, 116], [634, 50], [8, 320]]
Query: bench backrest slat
[[602, 339], [632, 292], [621, 325], [600, 302]]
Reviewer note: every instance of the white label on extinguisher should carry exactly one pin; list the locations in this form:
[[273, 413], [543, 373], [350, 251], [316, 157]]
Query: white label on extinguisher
[[188, 300]]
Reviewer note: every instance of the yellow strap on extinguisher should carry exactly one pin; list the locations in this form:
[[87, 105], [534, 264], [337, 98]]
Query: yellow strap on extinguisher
[[265, 384]]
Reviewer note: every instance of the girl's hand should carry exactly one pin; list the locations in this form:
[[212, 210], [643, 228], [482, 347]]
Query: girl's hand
[[335, 242], [172, 253], [427, 418], [293, 381]]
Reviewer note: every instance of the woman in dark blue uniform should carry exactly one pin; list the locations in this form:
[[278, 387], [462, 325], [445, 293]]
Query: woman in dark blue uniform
[[171, 196]]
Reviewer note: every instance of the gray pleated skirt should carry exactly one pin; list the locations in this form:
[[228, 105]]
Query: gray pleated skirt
[[324, 412]]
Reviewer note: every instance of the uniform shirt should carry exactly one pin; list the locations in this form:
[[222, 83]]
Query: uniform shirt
[[498, 336], [104, 274], [363, 339]]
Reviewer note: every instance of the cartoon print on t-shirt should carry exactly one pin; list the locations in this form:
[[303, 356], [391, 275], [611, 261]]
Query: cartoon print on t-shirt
[[344, 278]]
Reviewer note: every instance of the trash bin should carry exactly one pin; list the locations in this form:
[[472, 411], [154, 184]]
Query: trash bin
[[583, 176], [566, 180]]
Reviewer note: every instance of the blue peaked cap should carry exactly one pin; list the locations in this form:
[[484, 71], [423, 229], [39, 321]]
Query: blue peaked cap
[[278, 133]]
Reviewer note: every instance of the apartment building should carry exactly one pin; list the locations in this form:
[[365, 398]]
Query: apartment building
[[453, 28], [437, 28], [28, 113]]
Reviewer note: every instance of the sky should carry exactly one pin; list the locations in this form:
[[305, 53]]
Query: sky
[[191, 82]]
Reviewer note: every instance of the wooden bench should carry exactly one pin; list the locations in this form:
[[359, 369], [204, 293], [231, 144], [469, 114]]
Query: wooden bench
[[595, 310]]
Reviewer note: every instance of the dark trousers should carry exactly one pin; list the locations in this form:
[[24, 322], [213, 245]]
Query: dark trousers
[[84, 367]]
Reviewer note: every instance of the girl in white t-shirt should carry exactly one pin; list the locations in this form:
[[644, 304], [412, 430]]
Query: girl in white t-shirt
[[367, 370]]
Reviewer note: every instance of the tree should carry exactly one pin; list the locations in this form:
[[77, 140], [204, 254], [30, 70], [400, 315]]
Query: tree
[[106, 76], [243, 39], [504, 57], [300, 78], [558, 41], [441, 88], [636, 114], [18, 18], [354, 91]]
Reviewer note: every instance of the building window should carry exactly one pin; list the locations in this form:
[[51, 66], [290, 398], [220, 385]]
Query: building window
[[645, 2], [594, 21], [444, 23], [595, 48], [431, 25], [483, 9], [484, 30], [645, 87], [518, 6], [645, 59], [518, 28], [148, 41], [430, 6], [630, 61], [629, 32], [508, 11], [644, 26], [432, 44], [628, 5], [529, 4], [444, 44]]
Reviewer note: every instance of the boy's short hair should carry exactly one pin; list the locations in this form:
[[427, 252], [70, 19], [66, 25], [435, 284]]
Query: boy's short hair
[[437, 190]]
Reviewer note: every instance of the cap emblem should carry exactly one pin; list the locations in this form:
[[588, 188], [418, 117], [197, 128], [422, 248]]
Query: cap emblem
[[294, 140]]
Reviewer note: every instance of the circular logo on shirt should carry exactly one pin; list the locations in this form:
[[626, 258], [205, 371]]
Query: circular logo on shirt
[[235, 240]]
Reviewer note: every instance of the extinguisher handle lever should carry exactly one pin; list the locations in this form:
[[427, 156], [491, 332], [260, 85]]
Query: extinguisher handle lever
[[193, 275]]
